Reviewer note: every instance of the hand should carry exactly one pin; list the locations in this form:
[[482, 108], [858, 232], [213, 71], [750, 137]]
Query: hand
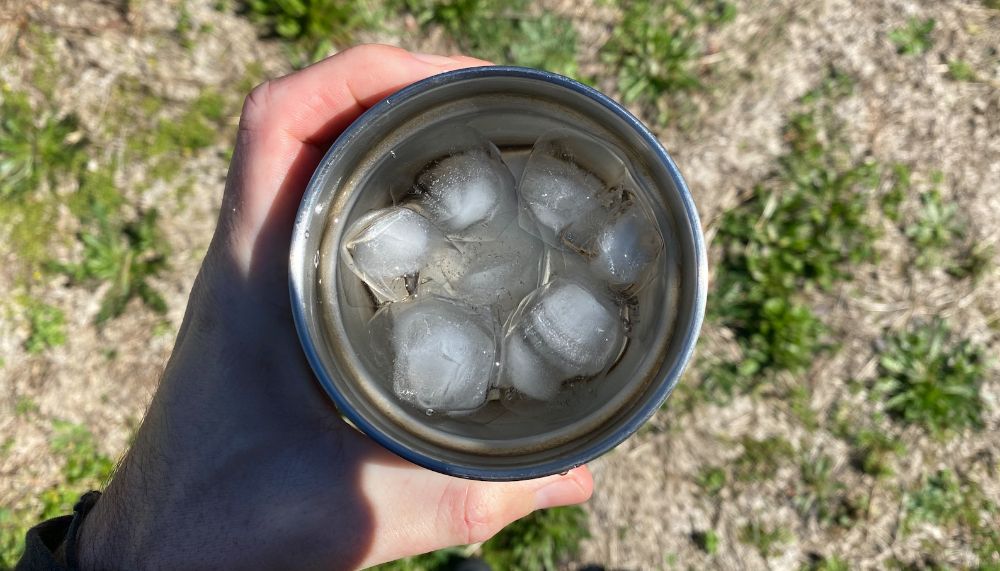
[[242, 461]]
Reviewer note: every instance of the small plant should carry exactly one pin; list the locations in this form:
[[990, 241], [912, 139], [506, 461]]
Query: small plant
[[872, 451], [124, 252], [935, 230], [945, 499], [656, 49], [538, 542], [928, 378], [310, 23], [48, 327], [822, 497], [761, 458], [712, 480], [502, 31], [960, 70], [25, 405], [764, 539], [707, 541], [35, 147], [913, 38], [832, 563], [900, 189]]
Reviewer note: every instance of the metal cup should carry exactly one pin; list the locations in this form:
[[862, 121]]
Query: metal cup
[[375, 158]]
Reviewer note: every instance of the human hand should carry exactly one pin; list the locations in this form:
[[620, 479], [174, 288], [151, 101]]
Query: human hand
[[242, 461]]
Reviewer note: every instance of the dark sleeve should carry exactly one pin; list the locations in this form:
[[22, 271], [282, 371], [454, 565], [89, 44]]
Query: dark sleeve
[[51, 545], [43, 546]]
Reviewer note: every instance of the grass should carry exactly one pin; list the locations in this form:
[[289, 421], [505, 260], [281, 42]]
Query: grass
[[914, 38], [712, 481], [761, 459], [872, 452], [765, 540], [929, 378], [707, 541], [538, 542], [961, 70], [822, 497], [84, 467], [936, 228], [505, 32], [800, 231], [657, 47], [48, 327], [311, 27], [832, 563]]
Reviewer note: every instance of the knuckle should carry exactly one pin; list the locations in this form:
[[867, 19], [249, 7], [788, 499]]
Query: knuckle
[[257, 102], [473, 515]]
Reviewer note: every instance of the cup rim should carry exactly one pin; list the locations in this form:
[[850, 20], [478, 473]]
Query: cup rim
[[298, 259]]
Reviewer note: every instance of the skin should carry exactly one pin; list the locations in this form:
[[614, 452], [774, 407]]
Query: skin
[[242, 461]]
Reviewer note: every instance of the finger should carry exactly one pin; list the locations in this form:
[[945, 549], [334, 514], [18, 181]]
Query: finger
[[288, 123], [450, 511]]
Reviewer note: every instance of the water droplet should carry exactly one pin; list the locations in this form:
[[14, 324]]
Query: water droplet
[[316, 259], [319, 208], [429, 411], [564, 473], [307, 234], [392, 154]]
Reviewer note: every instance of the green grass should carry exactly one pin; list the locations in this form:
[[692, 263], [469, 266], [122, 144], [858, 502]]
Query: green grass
[[656, 50], [901, 185], [936, 228], [505, 32], [538, 542], [36, 146], [712, 481], [961, 70], [913, 38], [47, 326], [311, 27], [84, 467], [832, 563], [761, 459], [929, 378], [801, 230], [765, 540], [707, 541], [873, 451], [822, 497]]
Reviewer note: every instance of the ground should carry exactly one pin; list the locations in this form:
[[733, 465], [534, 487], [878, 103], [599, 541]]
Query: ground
[[845, 456]]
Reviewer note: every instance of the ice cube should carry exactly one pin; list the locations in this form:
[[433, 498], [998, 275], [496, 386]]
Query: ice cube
[[570, 182], [562, 331], [497, 273], [625, 248], [444, 352], [469, 195], [387, 245]]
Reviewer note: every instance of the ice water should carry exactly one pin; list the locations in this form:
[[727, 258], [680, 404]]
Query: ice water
[[491, 285]]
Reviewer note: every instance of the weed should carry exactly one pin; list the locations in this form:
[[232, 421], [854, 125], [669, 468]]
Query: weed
[[761, 458], [764, 539], [900, 189], [309, 24], [961, 70], [502, 31], [24, 406], [537, 542], [945, 499], [928, 378], [820, 563], [48, 327], [177, 138], [34, 151], [657, 47], [126, 252], [872, 451], [936, 228], [707, 541], [712, 480], [913, 38], [822, 497], [800, 231], [441, 560]]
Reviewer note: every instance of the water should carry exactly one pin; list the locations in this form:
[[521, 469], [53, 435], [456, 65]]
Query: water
[[563, 331], [387, 245], [548, 260], [469, 195], [443, 352]]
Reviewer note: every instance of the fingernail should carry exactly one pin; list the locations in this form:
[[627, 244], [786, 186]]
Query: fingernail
[[562, 492], [432, 59]]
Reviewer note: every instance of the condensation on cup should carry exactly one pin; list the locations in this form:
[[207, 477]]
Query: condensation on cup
[[498, 273]]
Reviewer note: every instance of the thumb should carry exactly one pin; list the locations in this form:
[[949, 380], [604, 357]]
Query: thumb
[[449, 511]]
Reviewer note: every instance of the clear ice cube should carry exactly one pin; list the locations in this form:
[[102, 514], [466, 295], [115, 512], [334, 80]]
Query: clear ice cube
[[386, 246], [444, 352], [497, 273], [624, 249], [562, 331], [563, 201], [470, 194]]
